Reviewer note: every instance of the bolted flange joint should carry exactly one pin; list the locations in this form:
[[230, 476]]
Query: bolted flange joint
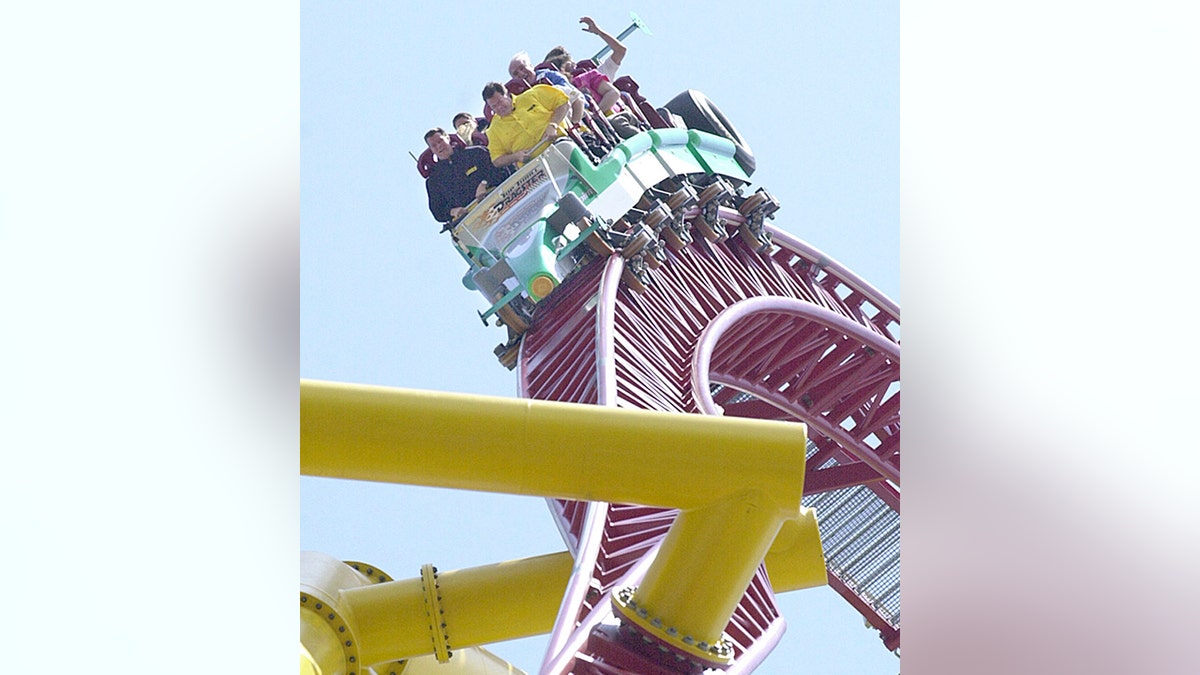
[[653, 629], [318, 608], [435, 614]]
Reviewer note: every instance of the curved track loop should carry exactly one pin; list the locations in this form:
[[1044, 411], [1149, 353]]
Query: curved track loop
[[805, 340], [802, 358]]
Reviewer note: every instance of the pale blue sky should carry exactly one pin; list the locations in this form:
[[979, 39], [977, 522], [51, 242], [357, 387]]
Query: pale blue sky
[[147, 250], [814, 89]]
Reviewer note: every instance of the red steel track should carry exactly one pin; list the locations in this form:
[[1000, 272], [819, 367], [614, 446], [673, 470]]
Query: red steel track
[[723, 329]]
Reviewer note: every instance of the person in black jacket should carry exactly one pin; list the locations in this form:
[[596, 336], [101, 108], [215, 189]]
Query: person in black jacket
[[459, 176]]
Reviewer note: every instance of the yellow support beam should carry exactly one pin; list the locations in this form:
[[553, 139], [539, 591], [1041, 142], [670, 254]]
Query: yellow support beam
[[737, 483], [795, 561], [546, 448], [705, 563], [469, 661], [347, 621]]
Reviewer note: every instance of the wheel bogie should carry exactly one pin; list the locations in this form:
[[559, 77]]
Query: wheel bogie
[[634, 281], [706, 230], [512, 319]]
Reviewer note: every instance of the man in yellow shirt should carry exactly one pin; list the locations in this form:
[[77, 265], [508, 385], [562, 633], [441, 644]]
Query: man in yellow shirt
[[522, 122]]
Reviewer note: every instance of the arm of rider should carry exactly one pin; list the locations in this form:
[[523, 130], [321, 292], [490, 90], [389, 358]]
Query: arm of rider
[[609, 95], [556, 117], [576, 111], [618, 49], [516, 156], [481, 189]]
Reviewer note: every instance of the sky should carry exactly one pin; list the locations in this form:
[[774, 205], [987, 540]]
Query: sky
[[159, 160], [814, 89]]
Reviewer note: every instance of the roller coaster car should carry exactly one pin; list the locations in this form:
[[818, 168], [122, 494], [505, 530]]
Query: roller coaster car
[[570, 204]]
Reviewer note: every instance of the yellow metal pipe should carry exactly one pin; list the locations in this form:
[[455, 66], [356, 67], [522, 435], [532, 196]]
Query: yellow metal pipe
[[707, 559], [469, 661], [705, 563], [795, 560], [736, 482], [308, 664], [327, 639], [545, 448], [479, 605], [320, 652], [344, 616]]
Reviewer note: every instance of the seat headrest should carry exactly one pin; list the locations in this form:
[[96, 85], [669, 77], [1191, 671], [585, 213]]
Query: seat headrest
[[425, 163], [516, 86]]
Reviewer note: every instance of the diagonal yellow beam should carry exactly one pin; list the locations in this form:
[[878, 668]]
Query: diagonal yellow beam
[[546, 448], [737, 483], [348, 618]]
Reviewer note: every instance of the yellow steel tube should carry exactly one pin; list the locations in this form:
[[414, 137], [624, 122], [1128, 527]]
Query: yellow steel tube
[[795, 560], [492, 603], [327, 639], [469, 661], [320, 650], [308, 664], [705, 563], [544, 448]]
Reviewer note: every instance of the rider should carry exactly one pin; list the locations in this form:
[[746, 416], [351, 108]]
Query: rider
[[466, 127], [520, 67], [602, 91], [459, 176], [609, 65], [520, 123]]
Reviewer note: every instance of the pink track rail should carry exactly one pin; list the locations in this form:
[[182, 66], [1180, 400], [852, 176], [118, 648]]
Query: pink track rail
[[721, 329]]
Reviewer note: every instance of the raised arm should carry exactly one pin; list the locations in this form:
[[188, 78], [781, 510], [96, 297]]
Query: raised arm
[[618, 49]]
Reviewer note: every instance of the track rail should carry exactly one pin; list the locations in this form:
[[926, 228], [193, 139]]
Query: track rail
[[724, 329]]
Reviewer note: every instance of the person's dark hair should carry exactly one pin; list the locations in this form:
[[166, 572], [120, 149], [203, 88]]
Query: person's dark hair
[[433, 131], [492, 88], [557, 62], [462, 115], [557, 51]]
